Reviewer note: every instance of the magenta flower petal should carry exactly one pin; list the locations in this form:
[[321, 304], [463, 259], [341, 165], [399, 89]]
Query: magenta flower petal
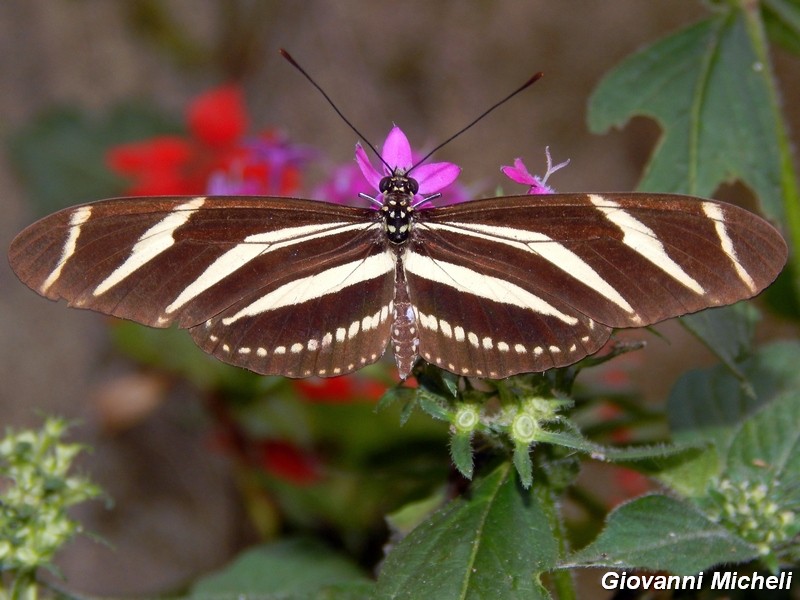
[[537, 185], [397, 159], [396, 150], [433, 177], [519, 173], [372, 176]]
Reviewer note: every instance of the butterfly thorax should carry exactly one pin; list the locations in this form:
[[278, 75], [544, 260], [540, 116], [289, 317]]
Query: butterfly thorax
[[398, 193]]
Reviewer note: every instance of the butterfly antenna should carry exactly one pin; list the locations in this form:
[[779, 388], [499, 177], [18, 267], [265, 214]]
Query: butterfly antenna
[[295, 64], [536, 77]]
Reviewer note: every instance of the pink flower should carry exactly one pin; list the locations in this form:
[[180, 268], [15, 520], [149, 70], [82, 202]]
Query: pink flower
[[519, 173], [399, 159]]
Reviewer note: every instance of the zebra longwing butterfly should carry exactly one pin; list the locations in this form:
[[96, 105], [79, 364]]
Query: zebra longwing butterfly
[[486, 288]]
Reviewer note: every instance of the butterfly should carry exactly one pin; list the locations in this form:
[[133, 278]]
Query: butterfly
[[485, 288]]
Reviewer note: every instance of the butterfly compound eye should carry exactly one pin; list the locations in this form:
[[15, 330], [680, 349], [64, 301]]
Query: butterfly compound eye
[[385, 184], [413, 186]]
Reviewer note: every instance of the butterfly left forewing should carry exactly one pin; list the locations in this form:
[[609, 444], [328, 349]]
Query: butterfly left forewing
[[193, 261]]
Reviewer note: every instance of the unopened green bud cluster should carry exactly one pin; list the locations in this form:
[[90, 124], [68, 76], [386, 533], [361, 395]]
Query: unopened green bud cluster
[[751, 509], [520, 421]]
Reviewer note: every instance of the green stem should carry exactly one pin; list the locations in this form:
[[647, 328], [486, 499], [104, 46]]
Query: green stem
[[24, 586]]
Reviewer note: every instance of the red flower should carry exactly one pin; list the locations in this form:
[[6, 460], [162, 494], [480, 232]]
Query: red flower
[[629, 484], [340, 390], [173, 165], [218, 118], [265, 166], [156, 167], [286, 461]]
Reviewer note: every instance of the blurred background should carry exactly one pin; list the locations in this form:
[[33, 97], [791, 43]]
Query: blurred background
[[429, 67]]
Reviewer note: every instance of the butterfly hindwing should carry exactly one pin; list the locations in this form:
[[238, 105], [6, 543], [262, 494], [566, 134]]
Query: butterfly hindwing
[[328, 318], [475, 323]]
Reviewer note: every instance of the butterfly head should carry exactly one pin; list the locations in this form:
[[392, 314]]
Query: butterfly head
[[398, 183]]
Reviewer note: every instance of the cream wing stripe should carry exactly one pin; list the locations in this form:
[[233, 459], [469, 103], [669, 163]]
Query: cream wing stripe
[[76, 219], [152, 242], [252, 247], [544, 246], [318, 285], [477, 284], [714, 212], [640, 238]]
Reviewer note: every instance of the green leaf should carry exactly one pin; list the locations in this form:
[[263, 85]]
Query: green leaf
[[461, 453], [523, 464], [570, 439], [712, 90], [433, 404], [660, 533], [624, 454], [726, 331], [60, 156], [394, 394], [690, 477], [709, 88], [297, 568], [405, 519], [492, 543], [758, 493], [436, 381], [709, 405], [767, 447]]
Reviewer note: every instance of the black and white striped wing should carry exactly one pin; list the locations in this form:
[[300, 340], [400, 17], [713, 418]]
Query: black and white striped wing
[[279, 286], [522, 284]]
